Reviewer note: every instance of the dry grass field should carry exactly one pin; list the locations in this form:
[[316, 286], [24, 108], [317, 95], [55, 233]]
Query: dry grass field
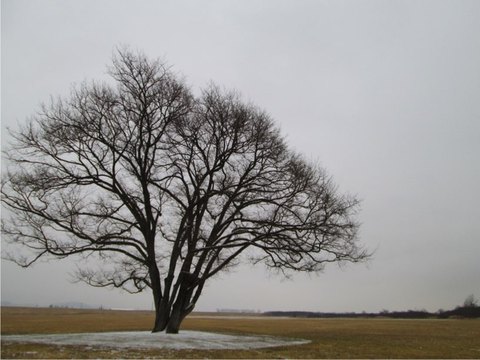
[[330, 338]]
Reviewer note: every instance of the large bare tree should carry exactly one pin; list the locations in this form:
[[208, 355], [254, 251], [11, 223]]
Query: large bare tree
[[168, 189]]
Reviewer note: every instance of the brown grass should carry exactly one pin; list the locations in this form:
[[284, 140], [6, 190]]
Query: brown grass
[[332, 338]]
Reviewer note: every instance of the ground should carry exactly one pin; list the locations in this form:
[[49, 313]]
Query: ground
[[186, 339], [330, 338]]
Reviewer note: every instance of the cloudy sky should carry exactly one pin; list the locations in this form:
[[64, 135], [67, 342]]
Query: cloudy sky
[[384, 94]]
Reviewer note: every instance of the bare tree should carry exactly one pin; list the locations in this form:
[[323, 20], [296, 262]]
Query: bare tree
[[470, 301], [168, 189]]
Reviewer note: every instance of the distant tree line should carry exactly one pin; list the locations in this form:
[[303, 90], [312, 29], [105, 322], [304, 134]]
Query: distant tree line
[[469, 309]]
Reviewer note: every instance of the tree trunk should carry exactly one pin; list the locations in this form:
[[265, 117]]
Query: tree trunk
[[161, 301], [174, 322], [162, 316], [181, 308], [169, 316], [179, 312]]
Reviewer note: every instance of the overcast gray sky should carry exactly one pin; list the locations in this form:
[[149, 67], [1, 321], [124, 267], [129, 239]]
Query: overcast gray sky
[[384, 94]]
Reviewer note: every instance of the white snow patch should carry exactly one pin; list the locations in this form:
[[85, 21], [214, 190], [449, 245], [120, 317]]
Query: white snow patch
[[144, 339]]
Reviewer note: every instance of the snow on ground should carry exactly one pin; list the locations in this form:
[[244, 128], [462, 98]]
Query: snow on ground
[[145, 339]]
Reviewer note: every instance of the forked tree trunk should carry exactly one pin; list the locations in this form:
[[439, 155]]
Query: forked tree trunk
[[169, 314], [170, 318]]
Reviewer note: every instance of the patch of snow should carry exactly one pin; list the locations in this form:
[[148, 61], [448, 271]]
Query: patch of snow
[[144, 339]]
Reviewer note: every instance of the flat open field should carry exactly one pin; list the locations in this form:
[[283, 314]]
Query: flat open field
[[330, 338]]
